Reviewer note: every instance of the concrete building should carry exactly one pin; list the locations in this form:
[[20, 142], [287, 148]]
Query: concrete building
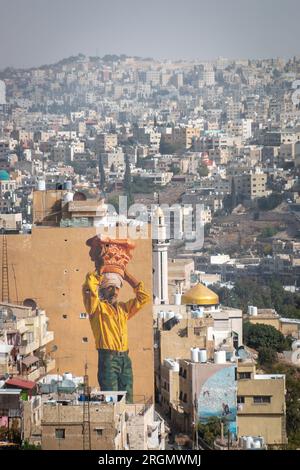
[[161, 179], [11, 221], [112, 424], [24, 339], [2, 92], [114, 157], [206, 75], [268, 316], [228, 323], [105, 142], [179, 272], [251, 185], [261, 405], [63, 424], [195, 320], [50, 266], [181, 136], [205, 390]]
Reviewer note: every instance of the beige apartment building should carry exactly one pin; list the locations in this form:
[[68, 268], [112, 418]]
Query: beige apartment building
[[112, 424], [261, 405], [251, 185], [269, 316], [105, 142], [182, 136]]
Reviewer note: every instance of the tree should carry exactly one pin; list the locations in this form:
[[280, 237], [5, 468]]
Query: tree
[[261, 337], [268, 232], [102, 174], [127, 175], [174, 169], [269, 203], [266, 356], [114, 201], [210, 430], [128, 182], [202, 170], [167, 149]]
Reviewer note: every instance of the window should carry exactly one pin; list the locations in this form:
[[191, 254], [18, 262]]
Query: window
[[197, 331], [240, 399], [84, 339], [262, 399], [180, 395], [98, 431], [184, 398], [83, 315], [245, 375], [60, 433]]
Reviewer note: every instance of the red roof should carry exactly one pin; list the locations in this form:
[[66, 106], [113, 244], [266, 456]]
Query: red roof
[[21, 383]]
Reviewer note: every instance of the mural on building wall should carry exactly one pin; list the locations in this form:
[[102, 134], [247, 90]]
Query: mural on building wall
[[108, 316], [218, 398]]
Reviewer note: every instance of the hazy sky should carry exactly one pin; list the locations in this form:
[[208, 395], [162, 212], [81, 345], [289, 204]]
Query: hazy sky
[[36, 32]]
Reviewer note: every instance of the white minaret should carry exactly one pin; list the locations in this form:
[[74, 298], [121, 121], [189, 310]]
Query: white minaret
[[160, 258]]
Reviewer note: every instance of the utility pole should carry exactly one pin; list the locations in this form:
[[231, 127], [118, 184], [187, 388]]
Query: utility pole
[[196, 444], [86, 411]]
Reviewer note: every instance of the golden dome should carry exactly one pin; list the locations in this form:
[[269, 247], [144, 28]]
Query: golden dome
[[200, 295]]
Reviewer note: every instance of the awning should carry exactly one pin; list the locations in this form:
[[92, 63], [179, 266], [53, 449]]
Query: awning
[[29, 360], [20, 383]]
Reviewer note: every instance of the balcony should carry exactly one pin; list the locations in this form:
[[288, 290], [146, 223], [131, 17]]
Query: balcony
[[28, 348], [50, 365], [49, 336], [33, 375]]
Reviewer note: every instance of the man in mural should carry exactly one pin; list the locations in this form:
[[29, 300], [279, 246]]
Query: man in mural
[[108, 316]]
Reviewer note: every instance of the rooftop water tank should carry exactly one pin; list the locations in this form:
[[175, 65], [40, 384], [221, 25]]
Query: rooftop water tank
[[195, 354], [242, 442], [173, 365], [202, 355], [67, 185], [160, 315], [177, 299], [249, 442], [170, 314], [41, 185], [220, 357], [296, 344], [254, 311], [68, 197], [256, 443], [67, 376]]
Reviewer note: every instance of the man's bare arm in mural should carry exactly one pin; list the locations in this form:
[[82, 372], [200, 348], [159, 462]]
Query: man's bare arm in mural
[[142, 297]]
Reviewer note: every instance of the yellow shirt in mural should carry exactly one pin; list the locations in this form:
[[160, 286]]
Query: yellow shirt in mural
[[108, 322]]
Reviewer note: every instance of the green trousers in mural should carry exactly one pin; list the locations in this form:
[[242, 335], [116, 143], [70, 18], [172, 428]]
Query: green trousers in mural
[[115, 372]]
